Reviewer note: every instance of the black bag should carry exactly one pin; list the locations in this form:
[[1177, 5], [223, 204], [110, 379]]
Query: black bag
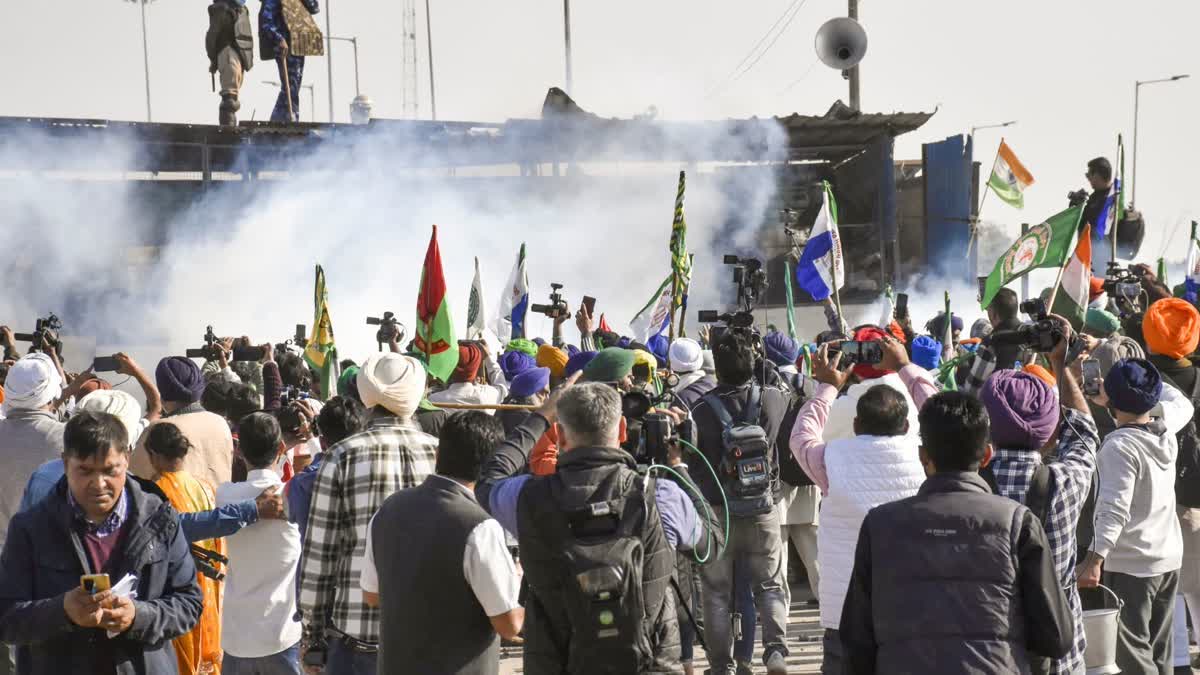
[[789, 469], [603, 586], [748, 464], [1187, 464]]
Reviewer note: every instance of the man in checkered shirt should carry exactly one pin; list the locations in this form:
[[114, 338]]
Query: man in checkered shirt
[[358, 474], [1025, 416]]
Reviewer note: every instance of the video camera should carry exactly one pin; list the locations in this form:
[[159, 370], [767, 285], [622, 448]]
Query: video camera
[[751, 280], [1124, 286], [389, 328], [211, 351], [299, 339], [557, 307], [1044, 333], [45, 332]]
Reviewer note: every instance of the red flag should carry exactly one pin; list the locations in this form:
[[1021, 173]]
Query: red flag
[[604, 325], [435, 334]]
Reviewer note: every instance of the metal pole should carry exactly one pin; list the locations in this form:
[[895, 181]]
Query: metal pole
[[354, 41], [146, 61], [567, 40], [429, 44], [329, 59], [853, 73], [1024, 279], [1137, 90], [312, 102]]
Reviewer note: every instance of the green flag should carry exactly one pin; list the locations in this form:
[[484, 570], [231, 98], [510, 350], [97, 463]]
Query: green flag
[[791, 307], [1045, 245], [946, 374], [435, 331], [320, 353]]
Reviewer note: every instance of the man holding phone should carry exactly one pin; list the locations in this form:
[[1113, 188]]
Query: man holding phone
[[100, 525]]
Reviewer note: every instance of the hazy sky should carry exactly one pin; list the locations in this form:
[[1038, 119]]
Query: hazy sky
[[1064, 68]]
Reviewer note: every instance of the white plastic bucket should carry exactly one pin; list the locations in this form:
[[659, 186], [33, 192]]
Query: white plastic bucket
[[1101, 626]]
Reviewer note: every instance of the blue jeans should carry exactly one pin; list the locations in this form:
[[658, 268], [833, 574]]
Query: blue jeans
[[286, 662], [342, 659]]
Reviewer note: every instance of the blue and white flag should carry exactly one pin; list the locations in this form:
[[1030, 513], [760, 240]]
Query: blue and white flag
[[1192, 282], [514, 304], [654, 318], [1107, 220], [820, 270]]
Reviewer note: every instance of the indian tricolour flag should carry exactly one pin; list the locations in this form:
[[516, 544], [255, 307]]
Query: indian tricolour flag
[[1009, 177], [1071, 300]]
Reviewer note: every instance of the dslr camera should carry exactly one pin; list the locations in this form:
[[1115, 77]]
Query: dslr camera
[[557, 307], [389, 328], [1043, 333], [650, 434], [45, 332]]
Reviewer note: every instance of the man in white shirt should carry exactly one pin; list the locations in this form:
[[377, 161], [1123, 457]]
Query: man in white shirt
[[259, 631], [455, 552], [463, 386]]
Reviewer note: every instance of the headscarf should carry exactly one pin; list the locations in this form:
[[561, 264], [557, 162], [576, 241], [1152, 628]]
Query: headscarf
[[470, 357], [1133, 386], [1023, 410], [926, 352], [553, 358], [1171, 328], [179, 380], [115, 402], [394, 381], [686, 356], [521, 345], [514, 363], [781, 349], [32, 383], [866, 371], [530, 382]]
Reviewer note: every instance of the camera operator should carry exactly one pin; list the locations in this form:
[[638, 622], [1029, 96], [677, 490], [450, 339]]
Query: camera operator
[[750, 416], [1004, 314], [577, 530]]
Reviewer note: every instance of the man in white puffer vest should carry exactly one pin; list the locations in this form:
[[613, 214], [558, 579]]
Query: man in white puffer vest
[[880, 463]]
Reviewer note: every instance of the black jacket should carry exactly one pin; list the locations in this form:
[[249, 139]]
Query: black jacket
[[1005, 343], [977, 570], [43, 559], [709, 431]]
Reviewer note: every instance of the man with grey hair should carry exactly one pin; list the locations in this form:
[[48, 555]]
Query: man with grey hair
[[589, 533]]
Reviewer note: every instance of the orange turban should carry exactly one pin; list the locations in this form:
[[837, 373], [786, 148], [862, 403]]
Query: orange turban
[[1171, 328], [553, 358], [1041, 374]]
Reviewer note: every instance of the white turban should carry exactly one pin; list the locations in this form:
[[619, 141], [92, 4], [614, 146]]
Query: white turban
[[115, 402], [32, 382], [686, 355], [394, 381]]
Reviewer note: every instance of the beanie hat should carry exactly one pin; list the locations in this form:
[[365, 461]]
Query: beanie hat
[[1171, 328], [530, 382], [926, 352], [179, 380], [1102, 323], [781, 349], [578, 362], [515, 362], [686, 356], [610, 365], [1133, 386], [866, 371], [553, 358], [1023, 409]]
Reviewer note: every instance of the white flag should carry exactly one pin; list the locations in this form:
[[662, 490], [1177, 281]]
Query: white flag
[[655, 316], [476, 312], [514, 303]]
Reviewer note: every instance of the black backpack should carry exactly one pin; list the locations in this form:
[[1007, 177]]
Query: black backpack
[[602, 587], [789, 469], [1187, 464], [748, 463]]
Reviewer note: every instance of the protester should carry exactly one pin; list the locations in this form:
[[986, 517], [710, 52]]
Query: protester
[[1137, 537], [198, 651], [840, 423], [612, 365], [355, 478], [555, 359], [211, 456], [1025, 422], [754, 524], [340, 418], [880, 464], [529, 388], [463, 387], [463, 554], [595, 495], [687, 363], [976, 567], [96, 521], [259, 631]]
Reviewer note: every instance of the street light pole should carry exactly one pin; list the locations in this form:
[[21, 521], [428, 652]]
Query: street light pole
[[353, 42], [146, 59], [567, 39], [429, 45], [329, 59], [852, 74], [1137, 88]]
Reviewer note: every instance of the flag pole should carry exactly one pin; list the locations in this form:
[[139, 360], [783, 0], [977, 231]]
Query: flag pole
[[683, 301], [1117, 198], [1063, 268], [671, 314], [982, 200]]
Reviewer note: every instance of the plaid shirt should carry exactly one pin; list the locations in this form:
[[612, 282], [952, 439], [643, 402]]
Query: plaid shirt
[[355, 478], [1071, 474]]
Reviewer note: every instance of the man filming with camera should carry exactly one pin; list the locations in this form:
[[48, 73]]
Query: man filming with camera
[[737, 425]]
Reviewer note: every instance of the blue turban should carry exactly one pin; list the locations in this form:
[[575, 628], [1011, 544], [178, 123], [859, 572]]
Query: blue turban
[[1133, 386], [578, 362], [530, 382], [659, 346], [179, 380], [926, 352], [572, 350], [781, 349], [516, 362]]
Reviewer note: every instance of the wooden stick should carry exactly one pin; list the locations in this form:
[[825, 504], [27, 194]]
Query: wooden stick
[[287, 85], [482, 406]]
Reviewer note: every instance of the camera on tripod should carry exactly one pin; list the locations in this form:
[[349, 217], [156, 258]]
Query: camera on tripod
[[45, 332], [1044, 333], [751, 280], [211, 351], [557, 307], [389, 328]]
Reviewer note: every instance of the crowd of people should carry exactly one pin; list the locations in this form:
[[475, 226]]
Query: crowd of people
[[952, 504]]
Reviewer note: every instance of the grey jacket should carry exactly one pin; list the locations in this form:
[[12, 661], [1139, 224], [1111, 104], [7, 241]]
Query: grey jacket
[[28, 439], [953, 580]]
